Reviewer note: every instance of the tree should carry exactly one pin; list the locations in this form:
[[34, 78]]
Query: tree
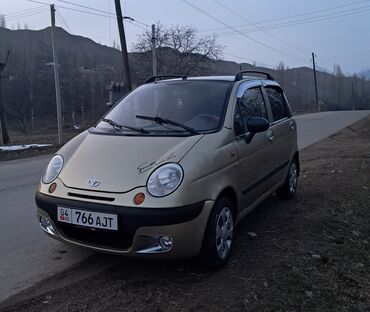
[[281, 66], [339, 75], [280, 70], [2, 21], [180, 49]]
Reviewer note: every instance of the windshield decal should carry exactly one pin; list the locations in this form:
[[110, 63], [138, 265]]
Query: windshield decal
[[145, 166]]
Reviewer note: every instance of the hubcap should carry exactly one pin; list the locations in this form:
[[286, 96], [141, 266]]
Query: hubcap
[[224, 232], [293, 178]]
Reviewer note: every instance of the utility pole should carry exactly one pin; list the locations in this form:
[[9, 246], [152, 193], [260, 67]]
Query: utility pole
[[314, 74], [4, 130], [56, 78], [154, 50], [126, 70]]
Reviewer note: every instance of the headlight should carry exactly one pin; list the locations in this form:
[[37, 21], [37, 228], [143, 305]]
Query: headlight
[[52, 171], [165, 180]]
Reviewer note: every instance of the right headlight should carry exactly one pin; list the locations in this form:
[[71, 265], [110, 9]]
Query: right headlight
[[165, 180], [53, 169]]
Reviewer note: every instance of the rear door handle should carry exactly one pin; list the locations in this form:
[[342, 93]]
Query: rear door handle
[[270, 135], [291, 125]]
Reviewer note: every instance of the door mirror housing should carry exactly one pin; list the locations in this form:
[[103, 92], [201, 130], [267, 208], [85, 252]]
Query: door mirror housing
[[255, 125]]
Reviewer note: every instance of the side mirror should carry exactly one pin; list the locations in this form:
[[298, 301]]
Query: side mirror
[[255, 125]]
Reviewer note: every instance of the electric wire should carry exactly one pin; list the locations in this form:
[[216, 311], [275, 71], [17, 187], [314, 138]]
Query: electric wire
[[238, 31], [291, 16], [254, 24], [101, 11], [20, 16], [23, 11], [132, 22], [302, 21], [63, 21]]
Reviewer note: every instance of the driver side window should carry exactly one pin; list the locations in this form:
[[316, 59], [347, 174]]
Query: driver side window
[[250, 104]]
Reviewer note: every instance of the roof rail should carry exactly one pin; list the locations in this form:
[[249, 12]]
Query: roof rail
[[162, 77], [239, 75]]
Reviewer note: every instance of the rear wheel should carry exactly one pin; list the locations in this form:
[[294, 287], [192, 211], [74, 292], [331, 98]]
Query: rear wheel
[[219, 234], [289, 188]]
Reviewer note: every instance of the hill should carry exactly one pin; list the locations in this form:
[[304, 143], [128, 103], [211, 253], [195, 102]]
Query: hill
[[87, 68]]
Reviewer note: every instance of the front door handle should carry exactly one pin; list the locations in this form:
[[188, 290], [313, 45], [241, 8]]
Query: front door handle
[[270, 135]]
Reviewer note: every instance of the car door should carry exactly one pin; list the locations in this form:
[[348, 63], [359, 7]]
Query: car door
[[281, 131], [254, 157]]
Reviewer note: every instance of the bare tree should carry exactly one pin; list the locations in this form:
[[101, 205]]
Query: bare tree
[[180, 49], [340, 76], [280, 70]]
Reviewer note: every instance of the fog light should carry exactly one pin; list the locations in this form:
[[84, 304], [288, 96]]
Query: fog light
[[46, 225], [45, 222], [166, 242]]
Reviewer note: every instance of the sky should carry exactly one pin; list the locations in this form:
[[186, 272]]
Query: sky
[[265, 32]]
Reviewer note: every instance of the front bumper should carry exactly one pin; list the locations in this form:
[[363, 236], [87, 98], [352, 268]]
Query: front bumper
[[139, 229]]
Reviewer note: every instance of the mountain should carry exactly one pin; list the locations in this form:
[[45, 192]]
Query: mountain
[[87, 69]]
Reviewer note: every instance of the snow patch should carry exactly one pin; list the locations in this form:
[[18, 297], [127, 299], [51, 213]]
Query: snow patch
[[21, 147]]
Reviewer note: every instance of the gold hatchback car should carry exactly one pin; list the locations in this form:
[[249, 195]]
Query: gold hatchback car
[[171, 169]]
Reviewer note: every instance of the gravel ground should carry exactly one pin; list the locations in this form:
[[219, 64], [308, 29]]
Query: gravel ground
[[309, 254]]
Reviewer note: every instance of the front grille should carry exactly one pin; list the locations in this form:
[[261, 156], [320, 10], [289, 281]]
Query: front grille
[[109, 199], [104, 238]]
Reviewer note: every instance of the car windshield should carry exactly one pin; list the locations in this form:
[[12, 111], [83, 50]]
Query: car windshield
[[172, 107]]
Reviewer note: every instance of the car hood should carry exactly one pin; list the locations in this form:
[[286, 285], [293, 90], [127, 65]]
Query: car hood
[[119, 163]]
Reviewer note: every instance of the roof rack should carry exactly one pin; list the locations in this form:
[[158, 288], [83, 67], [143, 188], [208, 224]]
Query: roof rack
[[162, 77], [239, 75]]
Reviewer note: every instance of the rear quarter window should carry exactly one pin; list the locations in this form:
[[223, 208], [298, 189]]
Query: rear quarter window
[[277, 102]]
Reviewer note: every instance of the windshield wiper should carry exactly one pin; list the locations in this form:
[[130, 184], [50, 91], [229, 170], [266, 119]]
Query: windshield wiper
[[117, 126], [162, 121]]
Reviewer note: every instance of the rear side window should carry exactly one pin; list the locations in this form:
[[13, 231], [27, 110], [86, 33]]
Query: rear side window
[[278, 105]]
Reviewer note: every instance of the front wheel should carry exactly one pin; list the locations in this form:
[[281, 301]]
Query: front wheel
[[289, 188], [219, 235]]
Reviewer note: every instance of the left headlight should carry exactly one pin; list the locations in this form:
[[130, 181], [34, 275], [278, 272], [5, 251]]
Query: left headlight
[[54, 168], [165, 180]]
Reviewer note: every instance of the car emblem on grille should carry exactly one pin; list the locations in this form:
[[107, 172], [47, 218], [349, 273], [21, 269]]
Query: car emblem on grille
[[93, 182]]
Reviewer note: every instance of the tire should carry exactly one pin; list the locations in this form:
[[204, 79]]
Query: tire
[[289, 188], [219, 235]]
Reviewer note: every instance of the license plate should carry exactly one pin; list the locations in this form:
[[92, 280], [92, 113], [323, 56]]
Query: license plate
[[99, 220]]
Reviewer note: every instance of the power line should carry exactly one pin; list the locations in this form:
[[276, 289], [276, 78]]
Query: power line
[[236, 30], [316, 11], [15, 17], [87, 7], [101, 11], [291, 16], [254, 24], [59, 15], [22, 11], [303, 21], [131, 20]]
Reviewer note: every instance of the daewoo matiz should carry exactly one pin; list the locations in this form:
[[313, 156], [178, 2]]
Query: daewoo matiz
[[173, 167]]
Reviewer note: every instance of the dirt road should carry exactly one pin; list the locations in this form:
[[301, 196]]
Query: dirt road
[[310, 254]]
